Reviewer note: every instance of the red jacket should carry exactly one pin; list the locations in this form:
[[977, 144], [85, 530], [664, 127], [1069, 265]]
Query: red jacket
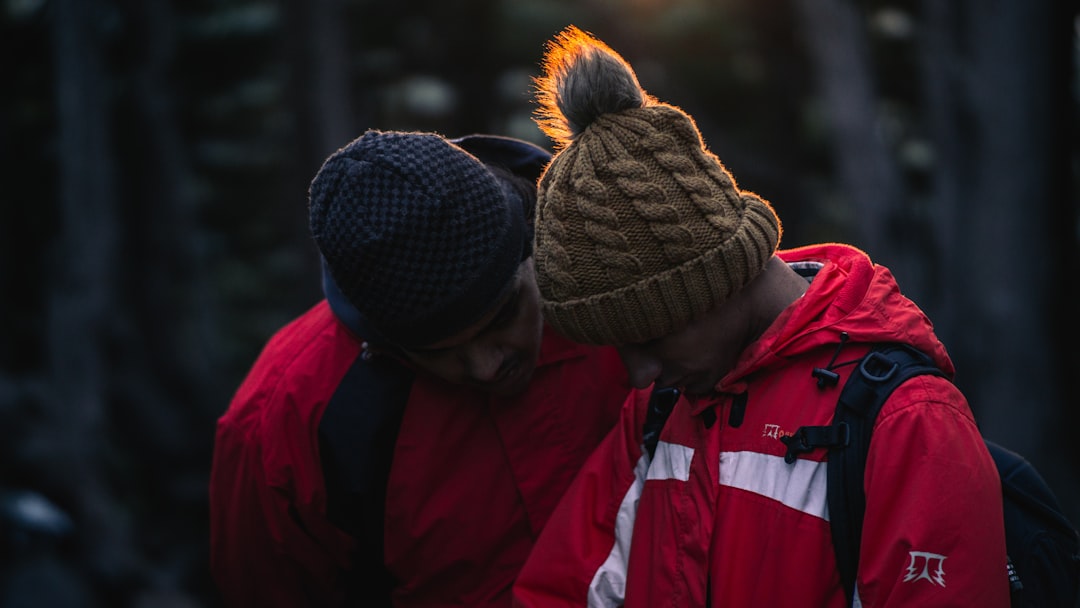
[[717, 518], [307, 509]]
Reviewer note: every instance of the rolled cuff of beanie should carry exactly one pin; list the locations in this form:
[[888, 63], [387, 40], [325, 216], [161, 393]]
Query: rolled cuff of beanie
[[666, 302], [473, 301]]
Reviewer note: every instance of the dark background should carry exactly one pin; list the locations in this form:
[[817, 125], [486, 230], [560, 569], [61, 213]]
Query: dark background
[[155, 157]]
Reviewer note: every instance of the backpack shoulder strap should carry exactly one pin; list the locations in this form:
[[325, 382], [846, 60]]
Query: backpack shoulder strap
[[877, 375], [357, 434], [661, 402]]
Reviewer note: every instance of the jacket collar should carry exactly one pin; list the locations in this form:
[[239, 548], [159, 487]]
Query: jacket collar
[[848, 294]]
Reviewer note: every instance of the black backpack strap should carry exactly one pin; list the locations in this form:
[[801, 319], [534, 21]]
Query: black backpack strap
[[357, 435], [661, 402], [1043, 546], [879, 373]]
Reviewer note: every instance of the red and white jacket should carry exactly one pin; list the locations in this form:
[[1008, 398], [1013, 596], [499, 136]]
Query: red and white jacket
[[718, 518]]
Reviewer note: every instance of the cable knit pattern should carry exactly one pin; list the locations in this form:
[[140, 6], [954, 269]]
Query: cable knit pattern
[[552, 259], [640, 229]]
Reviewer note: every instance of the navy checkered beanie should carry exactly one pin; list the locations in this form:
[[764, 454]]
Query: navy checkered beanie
[[418, 234]]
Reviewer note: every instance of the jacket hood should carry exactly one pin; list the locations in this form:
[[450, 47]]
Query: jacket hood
[[849, 294]]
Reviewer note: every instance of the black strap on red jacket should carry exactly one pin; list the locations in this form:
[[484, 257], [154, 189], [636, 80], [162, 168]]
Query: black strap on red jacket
[[359, 428], [1043, 547], [848, 440], [661, 402], [357, 435], [878, 374]]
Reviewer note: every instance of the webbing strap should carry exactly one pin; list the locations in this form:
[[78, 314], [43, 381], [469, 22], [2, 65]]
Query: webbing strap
[[878, 374]]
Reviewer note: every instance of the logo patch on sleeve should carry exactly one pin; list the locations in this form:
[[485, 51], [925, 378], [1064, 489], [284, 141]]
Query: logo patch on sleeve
[[929, 566]]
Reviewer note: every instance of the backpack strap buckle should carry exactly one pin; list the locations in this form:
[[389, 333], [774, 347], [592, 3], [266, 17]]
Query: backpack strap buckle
[[808, 438], [877, 367]]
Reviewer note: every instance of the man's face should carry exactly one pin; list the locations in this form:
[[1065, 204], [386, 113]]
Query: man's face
[[498, 353], [695, 358]]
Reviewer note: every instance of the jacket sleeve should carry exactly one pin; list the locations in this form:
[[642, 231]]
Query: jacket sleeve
[[581, 556], [261, 555], [933, 531]]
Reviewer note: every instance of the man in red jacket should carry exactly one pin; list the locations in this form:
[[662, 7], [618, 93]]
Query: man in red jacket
[[644, 242], [405, 440]]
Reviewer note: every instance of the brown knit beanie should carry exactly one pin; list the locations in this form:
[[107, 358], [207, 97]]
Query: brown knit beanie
[[639, 228]]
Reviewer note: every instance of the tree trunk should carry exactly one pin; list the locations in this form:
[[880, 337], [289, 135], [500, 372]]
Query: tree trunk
[[993, 77], [172, 359], [867, 174], [319, 53], [82, 288], [316, 49]]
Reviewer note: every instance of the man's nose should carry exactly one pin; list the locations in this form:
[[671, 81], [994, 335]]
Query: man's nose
[[641, 368]]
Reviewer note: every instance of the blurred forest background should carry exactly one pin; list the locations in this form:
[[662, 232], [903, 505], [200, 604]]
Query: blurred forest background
[[155, 157]]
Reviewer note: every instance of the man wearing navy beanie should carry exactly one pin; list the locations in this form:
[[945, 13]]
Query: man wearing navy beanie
[[404, 441]]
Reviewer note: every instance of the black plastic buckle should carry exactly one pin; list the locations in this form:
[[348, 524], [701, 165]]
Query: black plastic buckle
[[809, 438], [880, 361]]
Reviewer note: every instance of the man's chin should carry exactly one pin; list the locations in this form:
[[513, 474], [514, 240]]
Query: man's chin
[[514, 384]]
